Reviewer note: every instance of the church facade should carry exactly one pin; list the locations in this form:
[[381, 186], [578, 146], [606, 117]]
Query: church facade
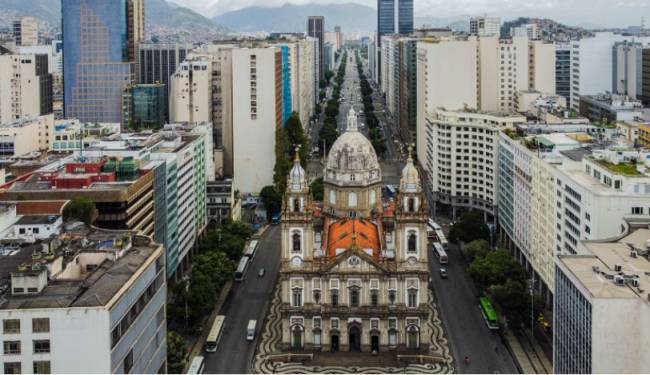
[[354, 269]]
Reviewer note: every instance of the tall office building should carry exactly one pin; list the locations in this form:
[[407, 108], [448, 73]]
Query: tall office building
[[157, 62], [316, 29], [99, 43], [563, 71], [394, 17], [627, 68], [26, 31], [645, 77]]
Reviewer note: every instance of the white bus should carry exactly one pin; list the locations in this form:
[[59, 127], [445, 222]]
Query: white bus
[[241, 268], [250, 330], [440, 253], [197, 365], [442, 239], [215, 334], [251, 250]]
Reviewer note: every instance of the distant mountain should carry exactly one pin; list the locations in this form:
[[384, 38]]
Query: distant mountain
[[157, 12], [457, 23], [293, 18]]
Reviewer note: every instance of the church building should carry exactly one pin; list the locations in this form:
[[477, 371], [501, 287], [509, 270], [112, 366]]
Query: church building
[[354, 269]]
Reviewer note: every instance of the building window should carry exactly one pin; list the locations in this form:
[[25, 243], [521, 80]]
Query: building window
[[637, 210], [335, 297], [354, 297], [392, 295], [412, 241], [41, 346], [128, 362], [412, 298], [296, 300], [316, 296], [295, 240], [411, 205], [12, 368], [40, 325], [374, 298], [352, 199], [332, 197], [11, 347], [42, 367], [11, 326]]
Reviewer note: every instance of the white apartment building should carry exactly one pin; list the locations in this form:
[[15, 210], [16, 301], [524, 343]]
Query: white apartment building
[[26, 31], [54, 57], [446, 70], [95, 306], [257, 113], [628, 68], [592, 64], [26, 136], [390, 71], [461, 155], [509, 66], [559, 194], [20, 89], [485, 26], [602, 307], [530, 31]]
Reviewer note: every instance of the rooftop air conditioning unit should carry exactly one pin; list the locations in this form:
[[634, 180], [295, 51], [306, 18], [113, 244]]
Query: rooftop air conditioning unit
[[633, 253], [634, 283], [596, 269], [617, 267], [619, 280]]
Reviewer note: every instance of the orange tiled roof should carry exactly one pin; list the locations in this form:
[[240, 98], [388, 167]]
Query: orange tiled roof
[[341, 233]]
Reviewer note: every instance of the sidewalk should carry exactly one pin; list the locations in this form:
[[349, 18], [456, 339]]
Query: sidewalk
[[532, 362]]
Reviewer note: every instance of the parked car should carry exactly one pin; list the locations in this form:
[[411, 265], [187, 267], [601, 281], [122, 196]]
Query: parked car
[[443, 273], [261, 272]]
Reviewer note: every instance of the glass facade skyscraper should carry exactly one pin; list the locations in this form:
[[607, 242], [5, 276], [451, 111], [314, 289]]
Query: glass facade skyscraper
[[394, 17], [98, 59]]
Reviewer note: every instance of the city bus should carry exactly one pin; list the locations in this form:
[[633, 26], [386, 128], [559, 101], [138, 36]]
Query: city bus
[[442, 239], [215, 334], [241, 268], [489, 314], [196, 367], [251, 249], [440, 253]]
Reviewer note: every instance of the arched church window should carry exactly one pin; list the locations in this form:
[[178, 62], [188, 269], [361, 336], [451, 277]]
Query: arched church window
[[296, 205], [352, 199], [411, 205], [412, 241], [295, 240]]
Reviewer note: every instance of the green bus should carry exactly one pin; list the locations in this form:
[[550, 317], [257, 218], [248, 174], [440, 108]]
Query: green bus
[[489, 314]]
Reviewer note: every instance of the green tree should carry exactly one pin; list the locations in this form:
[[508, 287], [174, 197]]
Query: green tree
[[328, 75], [469, 227], [477, 249], [176, 351], [512, 296], [282, 162], [80, 208], [495, 268], [297, 137], [316, 189], [272, 200]]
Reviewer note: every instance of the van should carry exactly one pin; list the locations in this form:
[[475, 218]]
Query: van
[[250, 330]]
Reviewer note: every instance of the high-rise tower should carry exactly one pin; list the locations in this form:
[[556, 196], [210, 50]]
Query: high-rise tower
[[99, 44]]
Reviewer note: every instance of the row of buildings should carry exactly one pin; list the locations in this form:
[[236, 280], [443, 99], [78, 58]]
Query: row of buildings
[[549, 141]]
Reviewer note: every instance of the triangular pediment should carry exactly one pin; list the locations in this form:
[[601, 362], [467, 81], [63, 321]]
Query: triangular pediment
[[356, 259]]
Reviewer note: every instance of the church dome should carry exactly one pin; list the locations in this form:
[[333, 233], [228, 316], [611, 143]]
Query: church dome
[[410, 181], [352, 160], [297, 178]]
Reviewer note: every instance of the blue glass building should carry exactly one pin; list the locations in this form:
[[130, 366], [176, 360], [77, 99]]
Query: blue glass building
[[287, 105], [96, 58], [394, 17]]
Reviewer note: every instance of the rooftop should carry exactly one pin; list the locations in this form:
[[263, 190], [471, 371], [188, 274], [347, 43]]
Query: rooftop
[[618, 268], [85, 267], [342, 234]]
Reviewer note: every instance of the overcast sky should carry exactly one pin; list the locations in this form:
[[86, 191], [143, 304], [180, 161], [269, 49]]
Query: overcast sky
[[610, 13]]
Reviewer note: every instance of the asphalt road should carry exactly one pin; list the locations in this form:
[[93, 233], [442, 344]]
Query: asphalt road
[[248, 300], [468, 333]]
